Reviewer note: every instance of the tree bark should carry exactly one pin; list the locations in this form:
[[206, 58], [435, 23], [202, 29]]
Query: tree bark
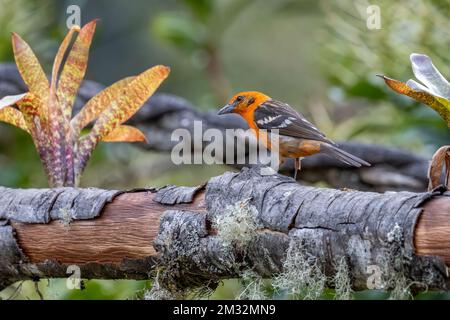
[[391, 169], [192, 236]]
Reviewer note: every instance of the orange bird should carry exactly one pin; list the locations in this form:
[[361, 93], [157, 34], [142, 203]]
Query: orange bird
[[298, 138]]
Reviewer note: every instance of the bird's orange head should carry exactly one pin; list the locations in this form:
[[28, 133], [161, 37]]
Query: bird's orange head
[[244, 102]]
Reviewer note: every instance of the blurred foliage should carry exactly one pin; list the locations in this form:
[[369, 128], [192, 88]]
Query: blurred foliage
[[352, 56], [18, 159], [195, 30], [316, 55], [27, 17], [236, 45], [406, 27], [55, 289]]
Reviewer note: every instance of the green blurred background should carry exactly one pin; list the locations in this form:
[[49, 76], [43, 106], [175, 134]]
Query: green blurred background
[[316, 55]]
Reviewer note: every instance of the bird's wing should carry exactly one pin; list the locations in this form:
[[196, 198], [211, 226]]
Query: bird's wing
[[274, 114]]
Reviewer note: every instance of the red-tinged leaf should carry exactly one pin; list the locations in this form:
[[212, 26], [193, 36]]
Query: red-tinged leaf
[[439, 104], [97, 104], [29, 106], [11, 115], [125, 133], [75, 69], [131, 99], [69, 82], [441, 156], [58, 122], [11, 100], [60, 56], [140, 89], [28, 119], [61, 147], [31, 70]]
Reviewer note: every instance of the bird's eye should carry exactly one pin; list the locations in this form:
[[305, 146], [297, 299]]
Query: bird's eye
[[239, 99]]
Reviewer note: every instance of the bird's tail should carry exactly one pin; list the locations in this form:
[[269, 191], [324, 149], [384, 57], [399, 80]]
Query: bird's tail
[[342, 155]]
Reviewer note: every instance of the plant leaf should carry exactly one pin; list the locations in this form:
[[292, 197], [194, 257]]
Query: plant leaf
[[61, 150], [429, 75], [98, 104], [30, 107], [417, 86], [436, 165], [11, 100], [125, 133], [75, 69], [70, 80], [439, 104], [31, 70], [140, 89], [60, 56], [129, 101], [28, 119], [11, 115]]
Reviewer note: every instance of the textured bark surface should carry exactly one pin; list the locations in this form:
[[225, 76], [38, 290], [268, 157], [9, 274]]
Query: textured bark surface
[[37, 206], [431, 234], [363, 228], [196, 236], [162, 114], [45, 205]]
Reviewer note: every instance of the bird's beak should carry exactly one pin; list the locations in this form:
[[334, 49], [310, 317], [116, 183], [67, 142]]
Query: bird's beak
[[227, 109]]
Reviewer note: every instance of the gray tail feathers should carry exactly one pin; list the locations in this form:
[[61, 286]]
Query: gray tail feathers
[[342, 155]]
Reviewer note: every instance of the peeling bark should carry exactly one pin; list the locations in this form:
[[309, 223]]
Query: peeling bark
[[175, 195], [45, 205], [331, 223], [37, 206], [188, 237]]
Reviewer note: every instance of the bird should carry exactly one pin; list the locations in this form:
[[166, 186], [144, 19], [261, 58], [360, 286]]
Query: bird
[[298, 138]]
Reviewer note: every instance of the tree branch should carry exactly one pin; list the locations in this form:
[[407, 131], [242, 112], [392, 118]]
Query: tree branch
[[238, 221], [391, 169]]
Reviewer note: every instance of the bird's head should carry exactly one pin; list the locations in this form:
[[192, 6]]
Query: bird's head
[[244, 102]]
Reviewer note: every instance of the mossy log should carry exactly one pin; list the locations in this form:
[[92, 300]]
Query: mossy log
[[195, 236]]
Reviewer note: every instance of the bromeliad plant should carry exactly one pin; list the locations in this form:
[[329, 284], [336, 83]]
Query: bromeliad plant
[[434, 92], [45, 112]]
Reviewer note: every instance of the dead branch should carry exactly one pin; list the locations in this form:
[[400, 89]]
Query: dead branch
[[192, 236]]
